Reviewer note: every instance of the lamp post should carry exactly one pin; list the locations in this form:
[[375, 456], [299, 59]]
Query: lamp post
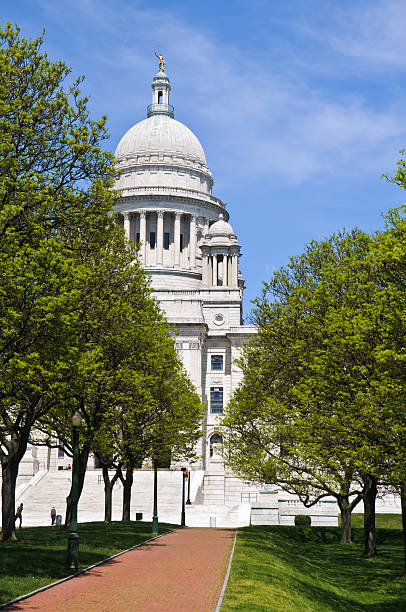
[[155, 515], [183, 515], [188, 503], [73, 537]]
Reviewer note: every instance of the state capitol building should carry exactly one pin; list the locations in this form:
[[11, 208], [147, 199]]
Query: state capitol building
[[189, 249], [191, 253]]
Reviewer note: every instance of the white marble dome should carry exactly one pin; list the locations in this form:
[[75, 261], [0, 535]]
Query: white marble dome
[[162, 153], [161, 134], [221, 228], [220, 233]]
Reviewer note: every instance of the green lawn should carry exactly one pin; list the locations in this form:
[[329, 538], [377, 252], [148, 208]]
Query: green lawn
[[39, 557], [382, 521], [291, 569]]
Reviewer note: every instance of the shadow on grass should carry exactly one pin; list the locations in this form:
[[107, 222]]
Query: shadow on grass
[[294, 568], [38, 558]]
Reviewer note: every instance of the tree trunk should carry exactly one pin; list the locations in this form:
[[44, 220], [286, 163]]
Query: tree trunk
[[403, 505], [83, 458], [127, 485], [345, 509], [369, 498], [8, 495], [108, 494]]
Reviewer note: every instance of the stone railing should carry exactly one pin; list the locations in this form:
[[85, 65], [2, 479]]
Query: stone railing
[[177, 191], [164, 109]]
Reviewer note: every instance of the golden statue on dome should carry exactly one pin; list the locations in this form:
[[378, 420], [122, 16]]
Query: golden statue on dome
[[161, 61]]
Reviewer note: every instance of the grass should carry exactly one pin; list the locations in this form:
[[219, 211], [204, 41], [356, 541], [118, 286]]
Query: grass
[[382, 521], [307, 569], [39, 556]]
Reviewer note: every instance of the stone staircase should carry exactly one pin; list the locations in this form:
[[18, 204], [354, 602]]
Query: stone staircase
[[47, 489], [53, 487]]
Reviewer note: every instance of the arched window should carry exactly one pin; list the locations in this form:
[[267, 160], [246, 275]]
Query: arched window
[[215, 440], [159, 97]]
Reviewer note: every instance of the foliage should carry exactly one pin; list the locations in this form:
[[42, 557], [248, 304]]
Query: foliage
[[55, 184], [303, 520], [389, 253], [311, 413], [301, 372]]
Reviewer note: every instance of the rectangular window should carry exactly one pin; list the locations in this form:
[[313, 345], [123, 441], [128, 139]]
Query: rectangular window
[[166, 241], [61, 450], [181, 243], [137, 238], [217, 362], [152, 240], [216, 399]]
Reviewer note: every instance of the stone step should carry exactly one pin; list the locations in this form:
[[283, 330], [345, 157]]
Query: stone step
[[52, 488]]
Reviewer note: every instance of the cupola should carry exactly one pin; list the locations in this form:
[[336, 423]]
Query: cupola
[[220, 253], [160, 96]]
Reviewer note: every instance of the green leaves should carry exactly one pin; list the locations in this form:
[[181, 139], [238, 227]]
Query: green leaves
[[54, 202], [312, 412]]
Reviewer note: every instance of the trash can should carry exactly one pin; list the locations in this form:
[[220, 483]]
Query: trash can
[[138, 516]]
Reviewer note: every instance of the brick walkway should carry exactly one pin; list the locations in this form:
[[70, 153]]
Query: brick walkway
[[179, 572]]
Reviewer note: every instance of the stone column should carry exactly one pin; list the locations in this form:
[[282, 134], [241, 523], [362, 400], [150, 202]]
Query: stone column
[[205, 270], [215, 272], [127, 224], [160, 237], [176, 239], [133, 227], [143, 235], [205, 227], [234, 271], [229, 274], [192, 239]]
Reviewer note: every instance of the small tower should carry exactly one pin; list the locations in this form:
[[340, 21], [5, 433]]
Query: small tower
[[160, 96], [220, 253]]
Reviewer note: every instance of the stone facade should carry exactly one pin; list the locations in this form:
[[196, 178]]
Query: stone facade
[[191, 252]]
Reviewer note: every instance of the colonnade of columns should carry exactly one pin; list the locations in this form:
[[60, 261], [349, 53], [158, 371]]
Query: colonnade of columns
[[130, 221], [220, 269]]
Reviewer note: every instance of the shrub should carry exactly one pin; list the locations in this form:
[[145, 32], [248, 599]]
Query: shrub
[[303, 520]]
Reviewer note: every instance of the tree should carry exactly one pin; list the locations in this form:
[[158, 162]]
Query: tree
[[309, 412], [127, 379], [156, 412], [55, 183], [390, 257]]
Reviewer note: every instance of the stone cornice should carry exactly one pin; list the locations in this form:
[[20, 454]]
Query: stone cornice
[[169, 189], [134, 164], [134, 195]]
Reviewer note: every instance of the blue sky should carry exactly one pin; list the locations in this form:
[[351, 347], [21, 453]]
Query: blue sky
[[299, 105]]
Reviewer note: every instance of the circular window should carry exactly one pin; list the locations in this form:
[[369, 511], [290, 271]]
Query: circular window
[[219, 319]]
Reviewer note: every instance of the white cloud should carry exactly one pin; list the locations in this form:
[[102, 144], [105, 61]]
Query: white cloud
[[370, 31], [250, 118]]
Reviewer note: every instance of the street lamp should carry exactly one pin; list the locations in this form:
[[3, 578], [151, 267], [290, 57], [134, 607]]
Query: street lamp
[[188, 503], [73, 536], [183, 515], [155, 515]]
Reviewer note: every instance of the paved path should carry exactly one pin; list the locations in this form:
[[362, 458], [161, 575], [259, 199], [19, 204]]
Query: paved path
[[179, 572]]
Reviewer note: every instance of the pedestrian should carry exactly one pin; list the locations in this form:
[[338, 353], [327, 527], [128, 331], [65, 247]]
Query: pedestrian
[[19, 514], [53, 516]]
